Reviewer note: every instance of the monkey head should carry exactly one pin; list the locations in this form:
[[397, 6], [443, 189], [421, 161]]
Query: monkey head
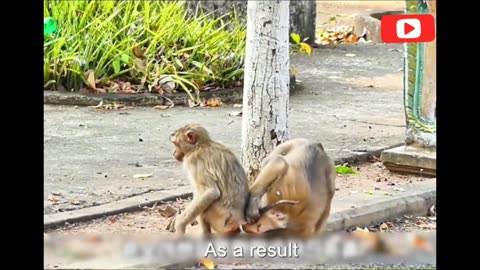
[[270, 219], [185, 140]]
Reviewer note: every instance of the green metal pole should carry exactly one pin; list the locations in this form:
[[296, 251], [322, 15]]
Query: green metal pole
[[420, 83]]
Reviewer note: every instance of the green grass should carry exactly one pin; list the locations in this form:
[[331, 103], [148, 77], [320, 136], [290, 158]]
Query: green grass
[[139, 42]]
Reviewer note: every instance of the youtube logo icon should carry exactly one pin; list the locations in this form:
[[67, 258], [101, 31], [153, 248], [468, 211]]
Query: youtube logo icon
[[408, 28]]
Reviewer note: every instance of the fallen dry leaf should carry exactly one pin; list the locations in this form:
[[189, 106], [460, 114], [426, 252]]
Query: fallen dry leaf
[[358, 229], [167, 211], [214, 102], [126, 88], [161, 107], [128, 91], [138, 52], [100, 91], [84, 90], [340, 35], [53, 198], [91, 79], [170, 225], [100, 105], [383, 227], [432, 211], [119, 106], [208, 263], [142, 175], [112, 219], [75, 202], [114, 106], [427, 226]]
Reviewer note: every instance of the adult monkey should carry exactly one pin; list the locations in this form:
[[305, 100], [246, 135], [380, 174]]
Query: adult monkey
[[297, 170]]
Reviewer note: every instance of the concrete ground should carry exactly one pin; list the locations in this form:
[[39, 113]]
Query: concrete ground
[[350, 99]]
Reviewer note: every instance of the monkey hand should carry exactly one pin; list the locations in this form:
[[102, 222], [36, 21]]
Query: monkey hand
[[171, 225], [252, 214], [179, 225]]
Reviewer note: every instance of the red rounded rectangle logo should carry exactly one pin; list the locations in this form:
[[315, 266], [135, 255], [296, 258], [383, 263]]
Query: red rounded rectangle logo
[[407, 28]]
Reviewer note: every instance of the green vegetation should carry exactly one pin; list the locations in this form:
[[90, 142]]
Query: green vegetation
[[129, 46], [138, 42], [345, 170]]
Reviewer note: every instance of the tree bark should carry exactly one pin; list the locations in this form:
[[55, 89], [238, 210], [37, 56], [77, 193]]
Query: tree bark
[[266, 82]]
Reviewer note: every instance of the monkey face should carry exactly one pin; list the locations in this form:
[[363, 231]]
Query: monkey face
[[177, 154], [183, 141], [271, 220]]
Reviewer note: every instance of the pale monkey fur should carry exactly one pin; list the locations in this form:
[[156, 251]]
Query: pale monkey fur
[[220, 184]]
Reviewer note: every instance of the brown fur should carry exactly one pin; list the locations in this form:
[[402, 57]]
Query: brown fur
[[220, 185], [297, 170]]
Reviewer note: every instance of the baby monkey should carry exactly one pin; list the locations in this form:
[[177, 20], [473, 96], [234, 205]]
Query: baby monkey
[[219, 182]]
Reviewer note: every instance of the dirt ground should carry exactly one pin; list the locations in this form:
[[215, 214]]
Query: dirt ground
[[371, 177]]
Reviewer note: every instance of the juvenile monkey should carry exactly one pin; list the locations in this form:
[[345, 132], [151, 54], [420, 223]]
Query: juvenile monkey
[[220, 184], [270, 219], [297, 170]]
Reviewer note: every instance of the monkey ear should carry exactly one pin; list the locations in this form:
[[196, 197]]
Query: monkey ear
[[192, 137], [279, 215]]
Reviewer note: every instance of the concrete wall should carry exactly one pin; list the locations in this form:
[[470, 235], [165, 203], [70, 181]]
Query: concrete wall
[[302, 13]]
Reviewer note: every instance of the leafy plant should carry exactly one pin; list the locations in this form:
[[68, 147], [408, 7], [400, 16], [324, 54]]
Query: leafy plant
[[302, 46], [133, 46], [140, 42], [340, 169]]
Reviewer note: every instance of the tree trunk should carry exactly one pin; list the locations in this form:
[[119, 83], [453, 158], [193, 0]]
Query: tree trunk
[[266, 82]]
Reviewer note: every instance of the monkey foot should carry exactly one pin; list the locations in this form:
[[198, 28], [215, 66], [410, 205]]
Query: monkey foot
[[171, 225]]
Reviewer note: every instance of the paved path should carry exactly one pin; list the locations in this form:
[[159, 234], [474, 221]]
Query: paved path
[[350, 100]]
